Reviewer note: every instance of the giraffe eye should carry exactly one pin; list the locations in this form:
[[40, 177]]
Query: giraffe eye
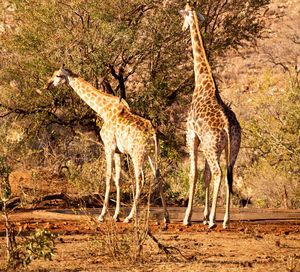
[[59, 76]]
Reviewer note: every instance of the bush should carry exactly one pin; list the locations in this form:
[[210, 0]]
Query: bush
[[21, 251], [271, 136], [132, 49]]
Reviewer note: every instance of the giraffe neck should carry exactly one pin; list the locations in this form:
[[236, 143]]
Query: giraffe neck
[[103, 104], [204, 81]]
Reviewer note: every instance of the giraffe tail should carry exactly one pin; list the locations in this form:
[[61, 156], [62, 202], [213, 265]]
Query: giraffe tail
[[154, 166], [229, 178], [228, 159]]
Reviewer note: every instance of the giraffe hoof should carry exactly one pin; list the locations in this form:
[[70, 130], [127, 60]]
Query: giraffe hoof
[[165, 228], [226, 226], [212, 226], [187, 223], [100, 219], [127, 220], [116, 218], [167, 220], [205, 222]]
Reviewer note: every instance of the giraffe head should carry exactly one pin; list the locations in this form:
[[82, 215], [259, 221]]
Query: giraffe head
[[188, 15], [59, 77]]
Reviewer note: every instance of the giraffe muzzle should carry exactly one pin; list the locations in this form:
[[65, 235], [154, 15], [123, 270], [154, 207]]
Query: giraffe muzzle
[[48, 85]]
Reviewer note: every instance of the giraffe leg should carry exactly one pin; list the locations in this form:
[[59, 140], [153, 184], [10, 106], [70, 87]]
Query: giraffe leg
[[207, 178], [235, 146], [217, 175], [227, 211], [117, 158], [108, 156], [192, 143], [138, 174], [227, 208]]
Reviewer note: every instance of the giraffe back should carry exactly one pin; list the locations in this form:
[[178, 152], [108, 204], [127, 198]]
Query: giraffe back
[[134, 134]]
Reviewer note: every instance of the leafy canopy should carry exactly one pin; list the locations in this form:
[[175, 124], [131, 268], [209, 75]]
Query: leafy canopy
[[133, 49]]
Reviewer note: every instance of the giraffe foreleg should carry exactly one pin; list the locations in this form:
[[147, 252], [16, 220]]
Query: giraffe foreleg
[[193, 143], [217, 176]]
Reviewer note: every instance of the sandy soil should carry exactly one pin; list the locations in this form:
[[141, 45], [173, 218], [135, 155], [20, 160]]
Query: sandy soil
[[270, 244]]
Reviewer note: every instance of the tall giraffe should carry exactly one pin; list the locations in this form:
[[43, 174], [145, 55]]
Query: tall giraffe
[[122, 132], [211, 125]]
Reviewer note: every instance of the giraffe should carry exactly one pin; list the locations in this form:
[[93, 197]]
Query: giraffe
[[122, 132], [211, 126]]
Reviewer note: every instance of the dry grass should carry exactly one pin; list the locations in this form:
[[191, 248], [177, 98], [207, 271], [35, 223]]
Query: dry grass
[[214, 251]]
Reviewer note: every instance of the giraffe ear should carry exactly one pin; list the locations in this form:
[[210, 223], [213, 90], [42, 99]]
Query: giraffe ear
[[200, 16], [184, 13], [66, 72]]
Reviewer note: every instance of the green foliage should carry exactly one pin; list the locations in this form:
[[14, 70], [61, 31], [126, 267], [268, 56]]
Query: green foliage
[[274, 133], [88, 177], [177, 186], [40, 244], [5, 170], [132, 49], [272, 136], [21, 251], [231, 24]]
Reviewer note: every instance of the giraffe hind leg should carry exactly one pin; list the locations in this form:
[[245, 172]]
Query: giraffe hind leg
[[216, 172], [207, 178], [109, 167], [138, 174], [228, 185], [117, 158], [235, 146]]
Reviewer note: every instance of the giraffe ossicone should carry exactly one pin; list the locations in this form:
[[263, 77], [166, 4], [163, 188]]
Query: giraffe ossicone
[[122, 132], [211, 126]]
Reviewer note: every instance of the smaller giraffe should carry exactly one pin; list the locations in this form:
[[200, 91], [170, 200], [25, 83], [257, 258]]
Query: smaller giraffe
[[122, 132], [211, 125]]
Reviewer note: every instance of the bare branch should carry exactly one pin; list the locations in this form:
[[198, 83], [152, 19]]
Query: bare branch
[[166, 249]]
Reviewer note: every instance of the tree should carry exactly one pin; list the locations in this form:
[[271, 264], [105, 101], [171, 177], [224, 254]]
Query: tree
[[132, 49]]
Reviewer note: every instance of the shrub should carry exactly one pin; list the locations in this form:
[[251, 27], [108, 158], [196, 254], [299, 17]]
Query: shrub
[[272, 138]]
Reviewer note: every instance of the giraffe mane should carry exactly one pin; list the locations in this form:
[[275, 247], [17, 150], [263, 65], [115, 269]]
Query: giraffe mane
[[69, 72]]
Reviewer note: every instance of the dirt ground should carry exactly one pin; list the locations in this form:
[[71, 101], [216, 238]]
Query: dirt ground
[[257, 244]]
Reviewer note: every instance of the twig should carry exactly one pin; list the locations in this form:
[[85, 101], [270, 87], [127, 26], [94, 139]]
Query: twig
[[166, 248]]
